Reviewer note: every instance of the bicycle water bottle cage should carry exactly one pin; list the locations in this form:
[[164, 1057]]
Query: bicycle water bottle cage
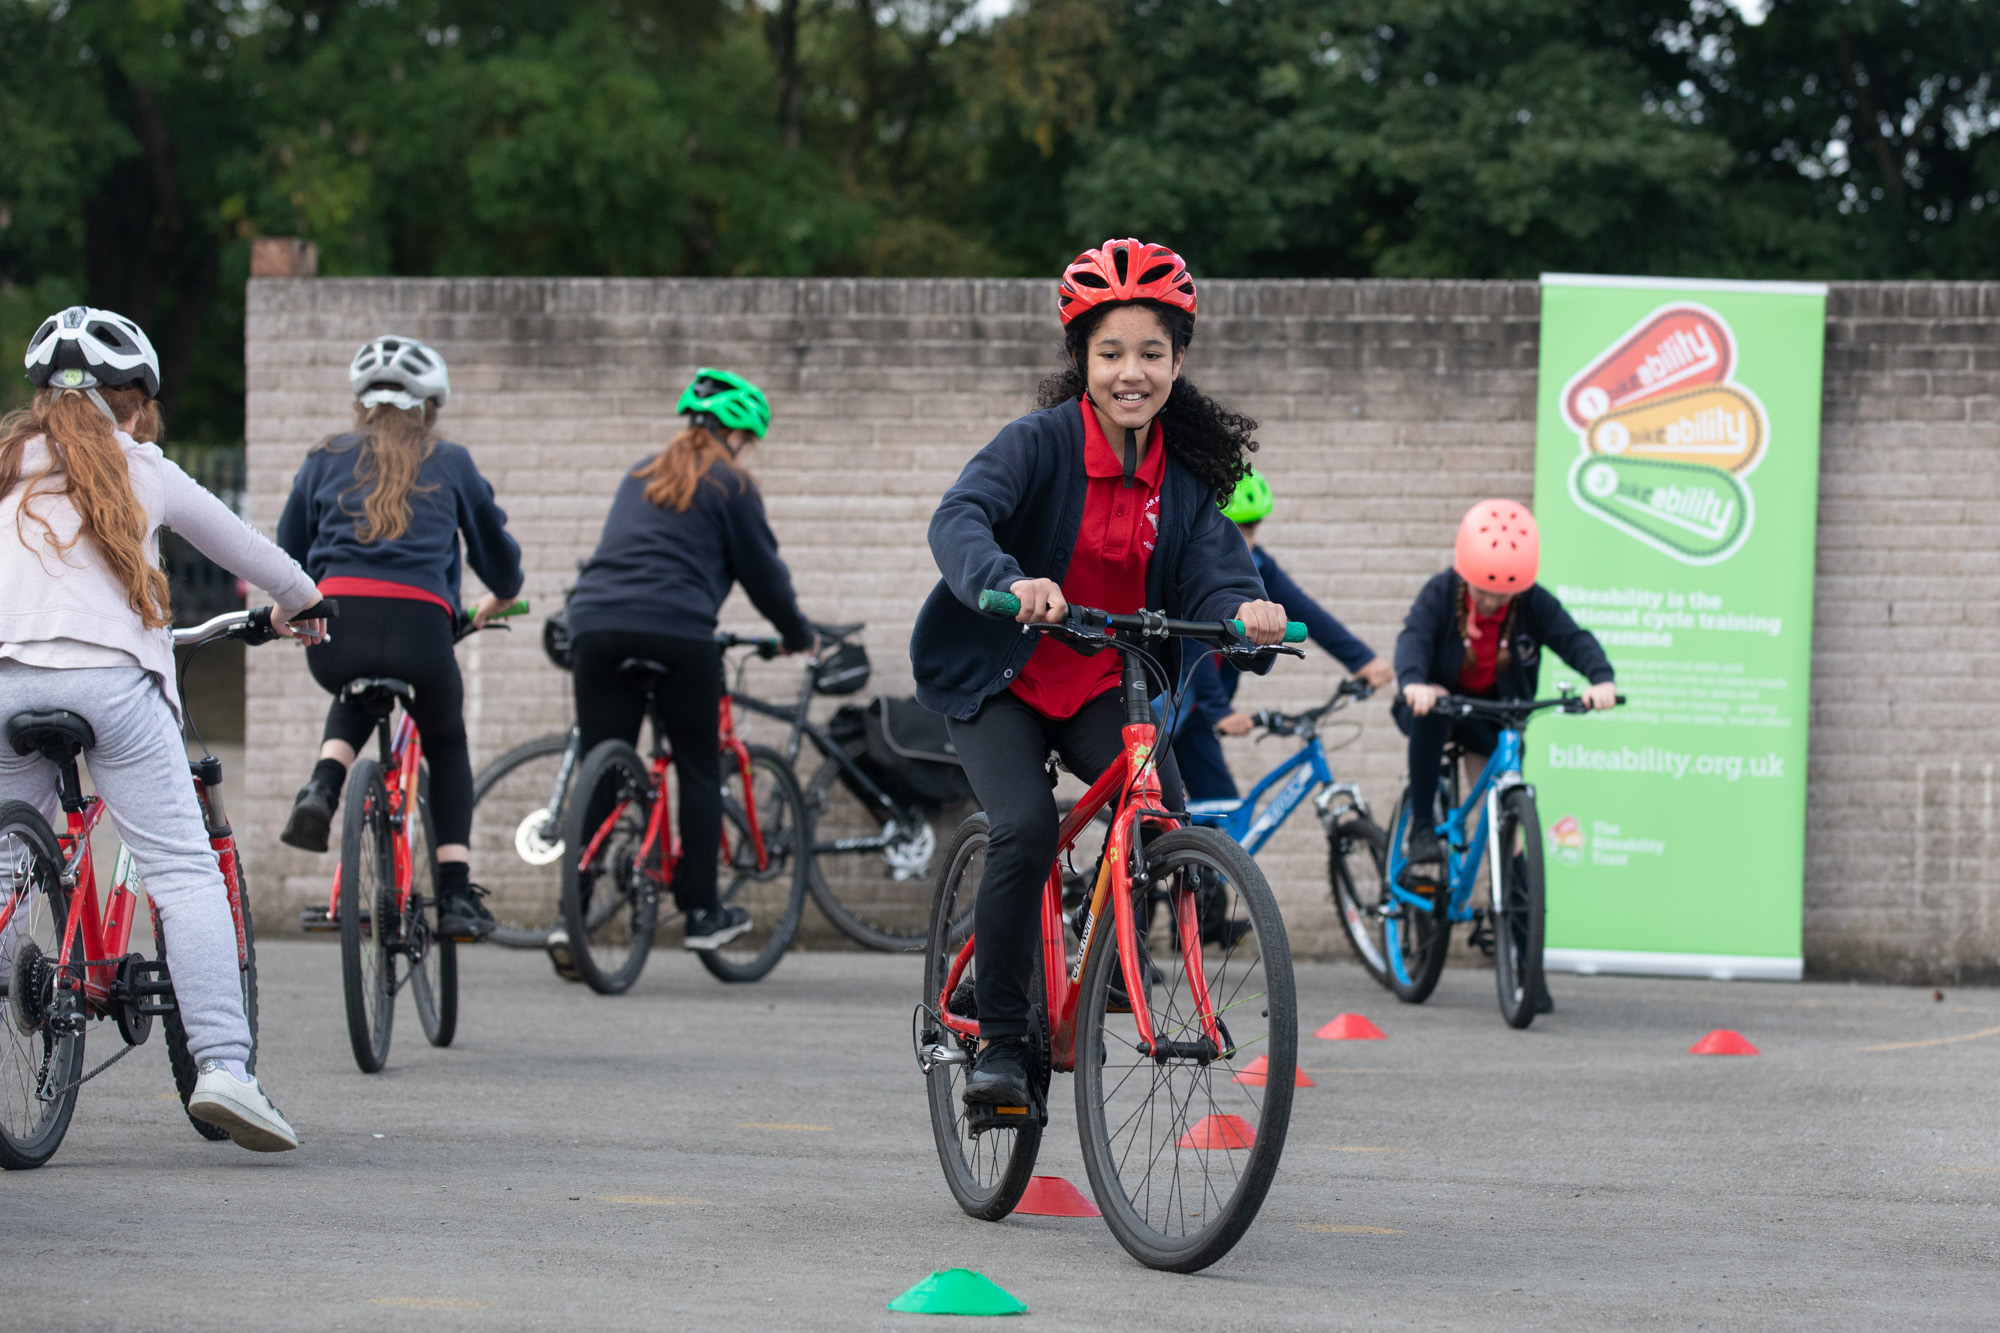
[[59, 736], [378, 694]]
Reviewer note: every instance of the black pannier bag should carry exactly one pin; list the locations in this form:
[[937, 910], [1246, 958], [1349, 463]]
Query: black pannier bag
[[845, 672], [905, 749]]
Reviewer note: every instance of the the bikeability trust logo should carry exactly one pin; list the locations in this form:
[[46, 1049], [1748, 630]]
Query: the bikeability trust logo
[[1669, 440], [1566, 840]]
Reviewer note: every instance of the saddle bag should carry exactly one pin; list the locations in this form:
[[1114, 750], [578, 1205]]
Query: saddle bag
[[905, 748]]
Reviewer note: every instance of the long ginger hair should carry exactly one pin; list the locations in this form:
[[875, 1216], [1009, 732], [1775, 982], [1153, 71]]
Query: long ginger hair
[[688, 459], [94, 479], [395, 444]]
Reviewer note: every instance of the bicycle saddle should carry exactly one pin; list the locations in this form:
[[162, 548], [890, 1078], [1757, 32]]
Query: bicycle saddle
[[378, 693], [839, 631], [644, 666], [57, 734]]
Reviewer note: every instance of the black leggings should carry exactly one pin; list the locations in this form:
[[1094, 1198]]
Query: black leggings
[[1004, 747], [1428, 735], [410, 641], [610, 705]]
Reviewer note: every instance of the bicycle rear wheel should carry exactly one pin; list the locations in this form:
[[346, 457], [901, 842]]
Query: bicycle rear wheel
[[987, 1171], [517, 840], [775, 895], [179, 1058], [877, 896], [1181, 1149], [1356, 868], [431, 960], [611, 906], [34, 1056], [1518, 904], [367, 911], [1413, 933]]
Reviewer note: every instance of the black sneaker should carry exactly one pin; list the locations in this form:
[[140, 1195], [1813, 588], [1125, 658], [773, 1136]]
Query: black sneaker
[[462, 917], [999, 1074], [713, 929], [311, 817], [1545, 1003], [1422, 849]]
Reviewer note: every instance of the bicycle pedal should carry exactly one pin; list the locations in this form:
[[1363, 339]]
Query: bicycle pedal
[[316, 919], [982, 1116]]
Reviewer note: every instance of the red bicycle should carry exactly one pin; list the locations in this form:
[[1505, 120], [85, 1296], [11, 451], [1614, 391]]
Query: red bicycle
[[1182, 1095], [618, 815], [388, 934], [64, 954]]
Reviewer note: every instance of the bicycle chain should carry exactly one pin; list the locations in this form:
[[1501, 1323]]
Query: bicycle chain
[[69, 1088]]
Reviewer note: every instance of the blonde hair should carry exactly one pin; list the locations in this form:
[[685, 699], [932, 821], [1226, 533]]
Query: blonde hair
[[95, 480], [395, 443], [687, 460]]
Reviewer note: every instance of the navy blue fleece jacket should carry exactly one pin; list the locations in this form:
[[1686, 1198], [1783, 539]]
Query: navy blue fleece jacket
[[1013, 514], [1430, 651], [319, 527]]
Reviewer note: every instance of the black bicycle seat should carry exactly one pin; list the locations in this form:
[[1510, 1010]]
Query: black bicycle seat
[[55, 733], [378, 694], [838, 631], [651, 672]]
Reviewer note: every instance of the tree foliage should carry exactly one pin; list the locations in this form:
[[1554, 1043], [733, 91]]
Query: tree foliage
[[149, 139]]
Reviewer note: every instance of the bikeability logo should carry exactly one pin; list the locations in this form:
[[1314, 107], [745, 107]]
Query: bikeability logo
[[1668, 439], [1566, 840]]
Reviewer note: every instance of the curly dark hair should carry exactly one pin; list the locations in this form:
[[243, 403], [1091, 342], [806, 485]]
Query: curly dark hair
[[1202, 435]]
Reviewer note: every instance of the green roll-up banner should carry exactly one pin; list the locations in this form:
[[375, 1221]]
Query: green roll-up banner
[[1676, 484]]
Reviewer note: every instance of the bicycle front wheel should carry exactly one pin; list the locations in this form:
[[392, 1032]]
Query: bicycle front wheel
[[986, 1169], [367, 912], [1182, 1140], [872, 866], [179, 1058], [430, 959], [517, 840], [774, 893], [1518, 907], [36, 1059], [611, 903], [1413, 930]]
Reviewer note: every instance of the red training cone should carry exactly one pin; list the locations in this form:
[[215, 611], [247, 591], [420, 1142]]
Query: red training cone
[[1052, 1196], [1254, 1075], [1219, 1132], [1723, 1041], [1351, 1027]]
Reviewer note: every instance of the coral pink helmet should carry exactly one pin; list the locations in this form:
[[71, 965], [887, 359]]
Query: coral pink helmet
[[1499, 548], [1127, 270]]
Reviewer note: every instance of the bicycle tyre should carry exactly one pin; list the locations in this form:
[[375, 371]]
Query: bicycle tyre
[[899, 921], [1414, 952], [1244, 1110], [433, 959], [595, 926], [367, 883], [31, 1130], [775, 896], [520, 883], [1357, 870], [1518, 930], [181, 1060], [988, 1181]]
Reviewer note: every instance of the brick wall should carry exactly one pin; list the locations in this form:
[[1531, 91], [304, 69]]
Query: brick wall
[[1387, 408]]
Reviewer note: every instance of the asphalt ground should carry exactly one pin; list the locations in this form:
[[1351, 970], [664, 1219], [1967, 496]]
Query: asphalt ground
[[760, 1157]]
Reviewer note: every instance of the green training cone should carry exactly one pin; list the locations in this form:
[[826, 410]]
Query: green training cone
[[958, 1291]]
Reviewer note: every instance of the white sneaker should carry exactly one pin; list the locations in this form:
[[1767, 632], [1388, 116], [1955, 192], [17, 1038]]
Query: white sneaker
[[227, 1102], [557, 945]]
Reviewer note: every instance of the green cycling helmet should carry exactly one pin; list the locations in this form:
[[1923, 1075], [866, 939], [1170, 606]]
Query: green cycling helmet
[[1250, 501], [734, 402]]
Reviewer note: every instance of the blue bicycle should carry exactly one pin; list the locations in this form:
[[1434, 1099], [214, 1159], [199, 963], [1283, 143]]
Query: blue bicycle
[[1355, 842], [1403, 936]]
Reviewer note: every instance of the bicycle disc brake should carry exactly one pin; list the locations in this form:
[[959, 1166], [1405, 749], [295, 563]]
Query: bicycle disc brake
[[909, 851], [533, 842]]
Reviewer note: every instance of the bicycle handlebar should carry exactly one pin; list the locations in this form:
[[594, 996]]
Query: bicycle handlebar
[[462, 626], [767, 648], [252, 626], [1147, 624], [1289, 724], [1508, 711]]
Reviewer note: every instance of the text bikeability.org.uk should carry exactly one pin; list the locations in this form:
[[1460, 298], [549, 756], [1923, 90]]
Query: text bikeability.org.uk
[[1672, 763]]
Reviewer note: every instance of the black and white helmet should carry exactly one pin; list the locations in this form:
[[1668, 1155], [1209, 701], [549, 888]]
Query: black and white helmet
[[398, 370], [84, 348]]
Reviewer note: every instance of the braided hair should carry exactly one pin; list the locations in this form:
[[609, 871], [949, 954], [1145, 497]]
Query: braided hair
[[1200, 434], [1462, 598]]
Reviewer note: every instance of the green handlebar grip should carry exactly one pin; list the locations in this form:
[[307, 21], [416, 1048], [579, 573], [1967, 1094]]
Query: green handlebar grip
[[1295, 631], [519, 608], [996, 603]]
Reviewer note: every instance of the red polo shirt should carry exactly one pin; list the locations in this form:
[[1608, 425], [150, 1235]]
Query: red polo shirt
[[1107, 569], [1481, 667]]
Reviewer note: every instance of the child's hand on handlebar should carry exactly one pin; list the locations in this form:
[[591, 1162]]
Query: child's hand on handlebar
[[1422, 698], [489, 606], [1603, 695], [1235, 724], [305, 631], [1263, 622], [1377, 673], [1041, 601]]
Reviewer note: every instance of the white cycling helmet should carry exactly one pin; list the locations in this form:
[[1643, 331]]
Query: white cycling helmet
[[84, 348], [398, 370]]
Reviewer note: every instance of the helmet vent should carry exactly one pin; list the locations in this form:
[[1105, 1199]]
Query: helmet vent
[[1090, 280], [1155, 273], [1118, 258]]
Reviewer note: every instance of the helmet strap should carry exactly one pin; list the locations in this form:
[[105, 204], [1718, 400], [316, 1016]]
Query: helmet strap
[[94, 396]]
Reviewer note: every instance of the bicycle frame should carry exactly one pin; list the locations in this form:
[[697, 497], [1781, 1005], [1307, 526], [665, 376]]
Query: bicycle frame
[[1253, 826], [401, 758], [1465, 846]]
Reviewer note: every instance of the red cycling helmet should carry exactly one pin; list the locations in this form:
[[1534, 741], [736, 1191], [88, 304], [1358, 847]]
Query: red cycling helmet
[[1127, 270], [1499, 548]]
